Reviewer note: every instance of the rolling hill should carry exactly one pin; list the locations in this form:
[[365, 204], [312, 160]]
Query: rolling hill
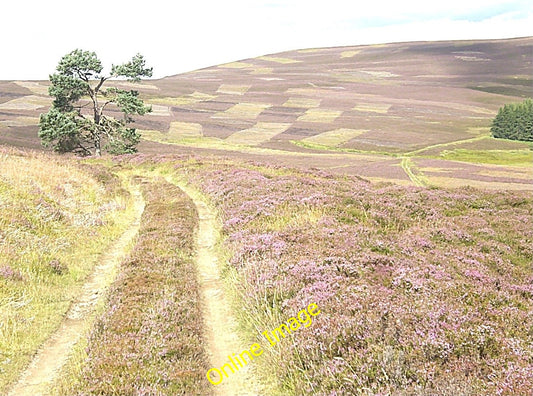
[[254, 224], [408, 113]]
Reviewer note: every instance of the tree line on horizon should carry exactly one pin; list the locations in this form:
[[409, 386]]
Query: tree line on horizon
[[514, 121]]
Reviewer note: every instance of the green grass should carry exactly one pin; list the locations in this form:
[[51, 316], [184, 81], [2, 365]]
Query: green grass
[[408, 166], [497, 157]]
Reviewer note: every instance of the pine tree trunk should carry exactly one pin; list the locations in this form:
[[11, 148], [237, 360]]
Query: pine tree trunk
[[96, 109], [97, 149]]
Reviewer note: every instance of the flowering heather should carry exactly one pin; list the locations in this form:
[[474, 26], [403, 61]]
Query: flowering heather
[[424, 291], [149, 341], [7, 272]]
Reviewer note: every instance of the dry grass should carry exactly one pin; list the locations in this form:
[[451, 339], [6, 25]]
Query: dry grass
[[36, 87], [349, 54], [336, 137], [159, 110], [233, 89], [279, 59], [187, 140], [184, 130], [320, 115], [193, 98], [243, 111], [20, 121], [236, 65], [29, 102], [520, 173], [303, 103], [454, 182], [177, 101], [262, 70], [55, 219], [135, 86], [259, 133], [373, 108]]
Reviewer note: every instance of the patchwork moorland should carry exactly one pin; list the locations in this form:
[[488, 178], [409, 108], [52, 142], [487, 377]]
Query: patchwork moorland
[[408, 113], [360, 179]]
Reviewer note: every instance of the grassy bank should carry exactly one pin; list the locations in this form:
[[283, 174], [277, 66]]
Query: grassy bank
[[56, 217]]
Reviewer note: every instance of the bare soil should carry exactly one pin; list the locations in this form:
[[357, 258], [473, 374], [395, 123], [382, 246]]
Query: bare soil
[[220, 323]]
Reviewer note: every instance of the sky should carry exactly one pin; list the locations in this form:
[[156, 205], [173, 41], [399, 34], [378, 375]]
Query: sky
[[180, 36]]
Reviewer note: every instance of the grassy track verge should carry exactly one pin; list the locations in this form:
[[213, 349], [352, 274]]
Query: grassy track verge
[[149, 340], [53, 355], [56, 217]]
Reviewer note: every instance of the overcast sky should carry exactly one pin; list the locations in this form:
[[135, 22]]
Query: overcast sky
[[178, 36]]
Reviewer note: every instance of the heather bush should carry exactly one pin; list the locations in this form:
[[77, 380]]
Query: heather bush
[[149, 340], [424, 291]]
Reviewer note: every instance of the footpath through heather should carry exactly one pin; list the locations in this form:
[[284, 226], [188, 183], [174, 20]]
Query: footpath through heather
[[220, 324]]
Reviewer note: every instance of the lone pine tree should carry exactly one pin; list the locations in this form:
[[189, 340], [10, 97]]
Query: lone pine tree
[[76, 121]]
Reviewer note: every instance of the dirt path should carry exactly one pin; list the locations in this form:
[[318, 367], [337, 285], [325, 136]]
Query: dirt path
[[220, 332], [448, 144], [46, 365], [406, 166]]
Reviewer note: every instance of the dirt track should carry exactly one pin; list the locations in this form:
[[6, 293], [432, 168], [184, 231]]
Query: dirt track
[[220, 332]]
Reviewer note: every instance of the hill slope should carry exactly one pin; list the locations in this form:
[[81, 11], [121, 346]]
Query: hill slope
[[386, 98], [364, 109]]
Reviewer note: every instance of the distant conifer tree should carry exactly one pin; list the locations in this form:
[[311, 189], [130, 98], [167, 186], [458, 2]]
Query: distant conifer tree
[[514, 121]]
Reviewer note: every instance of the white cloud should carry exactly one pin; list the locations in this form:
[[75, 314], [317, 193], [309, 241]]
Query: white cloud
[[181, 36]]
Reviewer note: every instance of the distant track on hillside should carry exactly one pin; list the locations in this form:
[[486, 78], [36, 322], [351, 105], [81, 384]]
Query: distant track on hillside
[[406, 166], [441, 145], [54, 353]]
